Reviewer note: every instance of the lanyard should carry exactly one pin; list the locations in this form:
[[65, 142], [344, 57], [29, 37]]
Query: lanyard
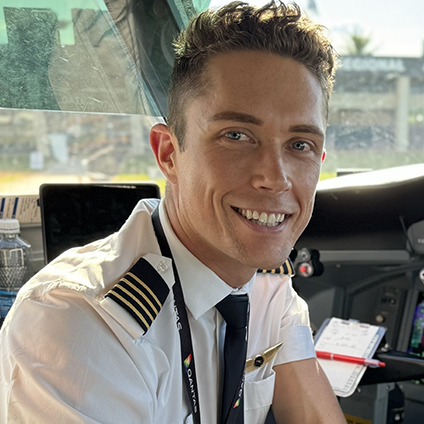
[[181, 320]]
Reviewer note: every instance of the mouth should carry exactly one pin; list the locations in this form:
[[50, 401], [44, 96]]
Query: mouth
[[263, 219]]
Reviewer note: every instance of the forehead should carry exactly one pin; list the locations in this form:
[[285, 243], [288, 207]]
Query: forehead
[[262, 84]]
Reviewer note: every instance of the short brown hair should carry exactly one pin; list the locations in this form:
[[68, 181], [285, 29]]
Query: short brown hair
[[275, 28]]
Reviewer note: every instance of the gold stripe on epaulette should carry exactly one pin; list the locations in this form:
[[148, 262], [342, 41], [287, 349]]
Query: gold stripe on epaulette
[[286, 268], [141, 299], [143, 295], [138, 301], [146, 287], [114, 294]]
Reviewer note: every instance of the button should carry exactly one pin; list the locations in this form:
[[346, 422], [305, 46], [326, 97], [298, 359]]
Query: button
[[258, 361], [380, 319], [161, 266], [305, 269]]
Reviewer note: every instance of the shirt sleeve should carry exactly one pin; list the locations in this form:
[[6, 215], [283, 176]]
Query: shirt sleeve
[[295, 328], [276, 307], [56, 366]]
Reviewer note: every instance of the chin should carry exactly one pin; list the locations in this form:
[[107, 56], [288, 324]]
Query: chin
[[270, 266], [270, 261], [261, 255], [265, 263]]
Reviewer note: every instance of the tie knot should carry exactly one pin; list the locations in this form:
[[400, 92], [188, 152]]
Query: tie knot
[[233, 309]]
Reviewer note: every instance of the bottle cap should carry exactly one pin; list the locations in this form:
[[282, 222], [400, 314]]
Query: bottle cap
[[9, 226]]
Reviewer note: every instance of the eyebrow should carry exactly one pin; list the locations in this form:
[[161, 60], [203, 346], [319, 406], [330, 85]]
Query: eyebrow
[[229, 115], [306, 128]]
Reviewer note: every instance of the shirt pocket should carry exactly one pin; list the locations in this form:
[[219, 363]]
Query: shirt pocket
[[258, 399]]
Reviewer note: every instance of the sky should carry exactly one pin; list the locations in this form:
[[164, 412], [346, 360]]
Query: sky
[[396, 28]]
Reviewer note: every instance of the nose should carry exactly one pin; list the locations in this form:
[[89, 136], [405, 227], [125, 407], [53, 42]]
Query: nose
[[271, 171]]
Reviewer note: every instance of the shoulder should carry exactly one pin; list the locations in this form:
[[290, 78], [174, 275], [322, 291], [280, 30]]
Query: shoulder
[[124, 313], [274, 283], [275, 304], [92, 269], [140, 294]]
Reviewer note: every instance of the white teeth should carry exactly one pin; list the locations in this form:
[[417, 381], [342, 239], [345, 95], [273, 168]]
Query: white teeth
[[262, 218], [271, 220]]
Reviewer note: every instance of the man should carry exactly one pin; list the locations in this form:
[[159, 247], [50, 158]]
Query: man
[[101, 335]]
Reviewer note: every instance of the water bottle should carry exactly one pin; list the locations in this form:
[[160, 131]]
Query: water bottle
[[14, 263]]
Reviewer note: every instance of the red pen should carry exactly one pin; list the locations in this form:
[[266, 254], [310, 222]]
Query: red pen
[[373, 363]]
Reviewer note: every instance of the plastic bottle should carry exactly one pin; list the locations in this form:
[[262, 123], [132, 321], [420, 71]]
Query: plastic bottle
[[14, 263]]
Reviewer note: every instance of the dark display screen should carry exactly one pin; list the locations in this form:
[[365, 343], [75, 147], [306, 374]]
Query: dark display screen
[[416, 342], [76, 214]]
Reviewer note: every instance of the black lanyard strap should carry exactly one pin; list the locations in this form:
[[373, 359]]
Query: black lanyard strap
[[187, 353], [181, 320]]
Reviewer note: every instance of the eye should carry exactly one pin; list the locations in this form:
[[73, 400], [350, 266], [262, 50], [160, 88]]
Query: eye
[[301, 146], [236, 136]]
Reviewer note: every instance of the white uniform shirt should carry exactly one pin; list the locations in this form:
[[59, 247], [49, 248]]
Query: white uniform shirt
[[69, 355]]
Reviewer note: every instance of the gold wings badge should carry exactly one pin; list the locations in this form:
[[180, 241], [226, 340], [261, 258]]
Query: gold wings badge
[[263, 358]]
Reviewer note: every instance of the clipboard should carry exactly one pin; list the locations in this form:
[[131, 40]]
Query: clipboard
[[346, 337]]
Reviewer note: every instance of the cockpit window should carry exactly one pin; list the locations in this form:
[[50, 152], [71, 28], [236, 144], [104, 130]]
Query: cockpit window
[[82, 82], [89, 56]]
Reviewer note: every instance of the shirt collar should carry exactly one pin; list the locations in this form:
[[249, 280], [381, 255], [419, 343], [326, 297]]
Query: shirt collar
[[202, 288]]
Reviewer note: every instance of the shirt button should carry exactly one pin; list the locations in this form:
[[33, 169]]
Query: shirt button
[[161, 266]]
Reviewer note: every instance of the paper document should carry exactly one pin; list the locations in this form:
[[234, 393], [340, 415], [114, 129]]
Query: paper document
[[24, 208], [346, 338]]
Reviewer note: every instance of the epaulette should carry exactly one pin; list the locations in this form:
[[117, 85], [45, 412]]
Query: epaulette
[[141, 292], [287, 268]]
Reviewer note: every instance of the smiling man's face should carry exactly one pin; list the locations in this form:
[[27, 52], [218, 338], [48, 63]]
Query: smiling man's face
[[242, 190]]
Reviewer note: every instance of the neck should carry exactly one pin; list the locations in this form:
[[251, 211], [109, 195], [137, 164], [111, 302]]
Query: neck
[[232, 272]]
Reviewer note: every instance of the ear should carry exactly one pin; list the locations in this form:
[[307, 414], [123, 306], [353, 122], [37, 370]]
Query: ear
[[165, 148]]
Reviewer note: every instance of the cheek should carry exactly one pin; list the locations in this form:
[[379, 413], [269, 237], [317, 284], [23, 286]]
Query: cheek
[[308, 175], [306, 186], [191, 170], [221, 168]]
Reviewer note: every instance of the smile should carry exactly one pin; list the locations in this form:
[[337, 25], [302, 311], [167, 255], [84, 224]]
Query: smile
[[262, 218]]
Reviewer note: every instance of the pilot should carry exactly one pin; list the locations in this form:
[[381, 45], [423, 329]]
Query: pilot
[[167, 321]]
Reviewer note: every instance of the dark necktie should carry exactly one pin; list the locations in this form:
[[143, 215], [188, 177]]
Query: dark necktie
[[235, 310]]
